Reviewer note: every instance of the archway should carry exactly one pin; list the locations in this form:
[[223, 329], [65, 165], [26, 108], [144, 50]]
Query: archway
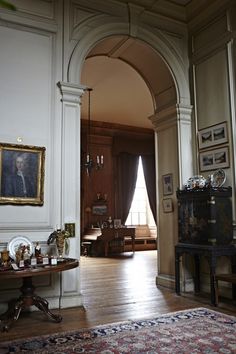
[[171, 114]]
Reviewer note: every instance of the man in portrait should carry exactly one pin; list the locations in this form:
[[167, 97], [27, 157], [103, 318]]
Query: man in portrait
[[17, 179]]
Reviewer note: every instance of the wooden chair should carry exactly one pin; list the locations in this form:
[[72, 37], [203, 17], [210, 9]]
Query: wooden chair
[[229, 278]]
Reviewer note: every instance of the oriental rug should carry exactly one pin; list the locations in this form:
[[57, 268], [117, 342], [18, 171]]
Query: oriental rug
[[198, 330]]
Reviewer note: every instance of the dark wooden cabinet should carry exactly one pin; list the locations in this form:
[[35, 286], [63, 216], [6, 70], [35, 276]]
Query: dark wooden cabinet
[[205, 216]]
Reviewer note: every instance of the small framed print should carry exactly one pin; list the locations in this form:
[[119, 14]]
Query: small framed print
[[214, 159], [167, 205], [70, 228], [167, 181], [213, 135], [117, 223], [99, 209]]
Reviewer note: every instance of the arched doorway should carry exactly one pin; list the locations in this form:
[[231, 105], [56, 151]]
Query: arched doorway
[[162, 71]]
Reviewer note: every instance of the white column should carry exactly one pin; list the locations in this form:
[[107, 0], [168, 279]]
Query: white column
[[186, 149], [173, 156], [70, 182]]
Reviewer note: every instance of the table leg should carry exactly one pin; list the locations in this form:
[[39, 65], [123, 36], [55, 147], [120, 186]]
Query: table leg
[[27, 299], [12, 314], [177, 273], [197, 273], [133, 244], [106, 245], [42, 304], [212, 264], [233, 268]]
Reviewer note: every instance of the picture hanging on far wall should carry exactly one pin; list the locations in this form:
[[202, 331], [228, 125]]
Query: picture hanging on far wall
[[214, 135], [167, 181], [21, 174], [99, 209], [167, 205], [214, 159], [117, 223]]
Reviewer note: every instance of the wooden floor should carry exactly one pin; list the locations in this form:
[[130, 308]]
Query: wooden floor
[[114, 289]]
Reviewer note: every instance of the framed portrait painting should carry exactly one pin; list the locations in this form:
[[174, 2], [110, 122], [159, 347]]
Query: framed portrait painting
[[21, 174]]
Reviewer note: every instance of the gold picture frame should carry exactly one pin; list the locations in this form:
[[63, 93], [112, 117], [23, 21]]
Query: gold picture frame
[[70, 228], [22, 174]]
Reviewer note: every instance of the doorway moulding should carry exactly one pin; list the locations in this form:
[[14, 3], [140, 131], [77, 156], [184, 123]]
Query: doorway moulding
[[156, 41]]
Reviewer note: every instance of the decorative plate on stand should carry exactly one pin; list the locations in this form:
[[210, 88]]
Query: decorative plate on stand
[[18, 242], [218, 178]]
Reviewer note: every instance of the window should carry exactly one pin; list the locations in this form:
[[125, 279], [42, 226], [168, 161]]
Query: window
[[140, 212]]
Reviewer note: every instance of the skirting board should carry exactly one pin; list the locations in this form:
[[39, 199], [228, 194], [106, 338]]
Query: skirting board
[[166, 280], [54, 303]]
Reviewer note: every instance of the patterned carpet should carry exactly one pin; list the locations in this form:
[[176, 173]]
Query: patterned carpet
[[192, 331]]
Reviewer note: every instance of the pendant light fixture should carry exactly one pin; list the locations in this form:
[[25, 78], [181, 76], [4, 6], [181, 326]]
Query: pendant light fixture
[[89, 164]]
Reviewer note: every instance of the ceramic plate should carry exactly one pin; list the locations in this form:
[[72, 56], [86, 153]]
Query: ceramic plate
[[218, 178], [16, 242]]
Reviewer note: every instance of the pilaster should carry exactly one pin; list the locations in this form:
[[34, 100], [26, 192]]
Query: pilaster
[[173, 129], [70, 182]]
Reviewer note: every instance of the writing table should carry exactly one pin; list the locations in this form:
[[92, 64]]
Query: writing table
[[115, 234], [28, 297], [107, 235]]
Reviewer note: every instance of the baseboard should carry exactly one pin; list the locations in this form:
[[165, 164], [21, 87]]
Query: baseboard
[[166, 280], [141, 244], [71, 301]]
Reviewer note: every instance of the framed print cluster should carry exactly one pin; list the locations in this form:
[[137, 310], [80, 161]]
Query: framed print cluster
[[21, 174], [214, 159], [167, 181], [217, 157], [213, 135], [167, 205]]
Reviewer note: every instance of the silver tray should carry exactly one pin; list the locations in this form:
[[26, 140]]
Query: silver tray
[[15, 243]]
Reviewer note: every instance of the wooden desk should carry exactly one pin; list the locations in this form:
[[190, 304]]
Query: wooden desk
[[107, 235], [28, 297], [211, 253], [112, 234]]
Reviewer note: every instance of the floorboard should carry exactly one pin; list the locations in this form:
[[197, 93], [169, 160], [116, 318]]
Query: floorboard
[[114, 289]]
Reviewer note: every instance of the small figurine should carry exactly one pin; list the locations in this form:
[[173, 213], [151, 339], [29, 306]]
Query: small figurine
[[110, 222], [60, 237], [26, 253], [18, 256], [52, 237], [37, 250]]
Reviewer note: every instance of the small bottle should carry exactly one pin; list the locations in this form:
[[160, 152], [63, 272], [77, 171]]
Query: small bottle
[[37, 250], [53, 261]]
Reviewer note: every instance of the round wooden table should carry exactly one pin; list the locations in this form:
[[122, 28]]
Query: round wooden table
[[28, 296]]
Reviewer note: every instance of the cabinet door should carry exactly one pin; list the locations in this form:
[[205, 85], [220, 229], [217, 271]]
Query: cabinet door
[[193, 220], [222, 223], [205, 220]]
